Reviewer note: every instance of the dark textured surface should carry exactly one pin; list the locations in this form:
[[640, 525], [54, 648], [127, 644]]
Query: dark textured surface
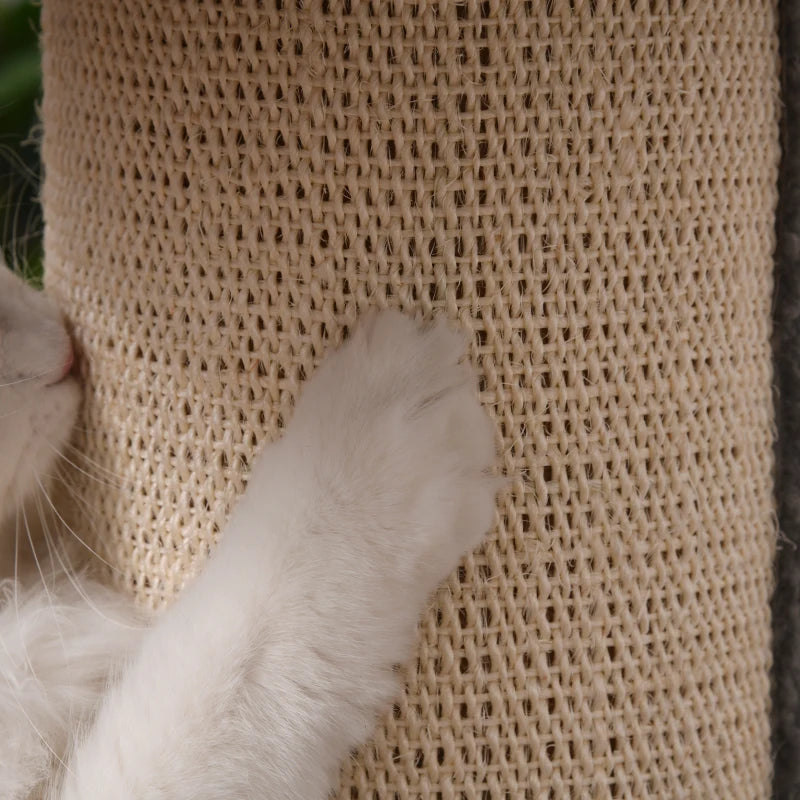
[[786, 604]]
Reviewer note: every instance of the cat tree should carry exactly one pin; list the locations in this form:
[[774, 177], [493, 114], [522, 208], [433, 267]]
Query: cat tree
[[588, 188]]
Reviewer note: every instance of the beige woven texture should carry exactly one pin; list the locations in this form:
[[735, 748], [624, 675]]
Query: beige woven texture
[[587, 188]]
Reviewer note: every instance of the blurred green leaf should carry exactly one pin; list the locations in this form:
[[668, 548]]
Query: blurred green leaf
[[20, 80], [20, 89], [19, 25]]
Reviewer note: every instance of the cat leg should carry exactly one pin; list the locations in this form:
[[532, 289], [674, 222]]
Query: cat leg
[[276, 661]]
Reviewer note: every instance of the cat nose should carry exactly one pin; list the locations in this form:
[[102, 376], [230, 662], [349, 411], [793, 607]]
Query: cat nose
[[66, 366]]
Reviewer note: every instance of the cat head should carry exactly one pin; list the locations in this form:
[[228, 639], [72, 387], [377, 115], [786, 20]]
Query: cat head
[[39, 397]]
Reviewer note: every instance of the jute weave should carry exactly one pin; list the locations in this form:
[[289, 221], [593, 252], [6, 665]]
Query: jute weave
[[586, 187]]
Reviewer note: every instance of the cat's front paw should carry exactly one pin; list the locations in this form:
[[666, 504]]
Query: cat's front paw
[[399, 453]]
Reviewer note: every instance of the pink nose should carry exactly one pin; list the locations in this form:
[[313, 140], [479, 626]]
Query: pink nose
[[69, 361]]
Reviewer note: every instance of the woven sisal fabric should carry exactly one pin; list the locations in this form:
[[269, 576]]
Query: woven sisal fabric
[[588, 189]]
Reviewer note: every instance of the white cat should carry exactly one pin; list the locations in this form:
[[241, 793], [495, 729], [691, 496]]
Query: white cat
[[275, 662]]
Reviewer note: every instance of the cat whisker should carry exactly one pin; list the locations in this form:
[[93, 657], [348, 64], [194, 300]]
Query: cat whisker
[[96, 465], [50, 551], [18, 165], [15, 689], [27, 716], [11, 413], [16, 562], [39, 569], [83, 471], [70, 530], [73, 578], [26, 653], [30, 377], [75, 495], [89, 515]]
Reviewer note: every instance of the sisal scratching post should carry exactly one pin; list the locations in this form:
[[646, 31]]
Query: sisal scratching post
[[586, 187]]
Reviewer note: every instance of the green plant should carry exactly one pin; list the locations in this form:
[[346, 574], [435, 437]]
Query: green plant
[[20, 91]]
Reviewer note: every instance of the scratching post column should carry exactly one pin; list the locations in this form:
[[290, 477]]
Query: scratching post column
[[588, 189]]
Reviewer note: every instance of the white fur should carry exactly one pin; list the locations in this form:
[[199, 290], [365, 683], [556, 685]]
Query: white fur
[[37, 409], [61, 633], [56, 651], [275, 662]]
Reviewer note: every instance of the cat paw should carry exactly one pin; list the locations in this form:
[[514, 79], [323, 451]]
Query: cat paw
[[400, 453]]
